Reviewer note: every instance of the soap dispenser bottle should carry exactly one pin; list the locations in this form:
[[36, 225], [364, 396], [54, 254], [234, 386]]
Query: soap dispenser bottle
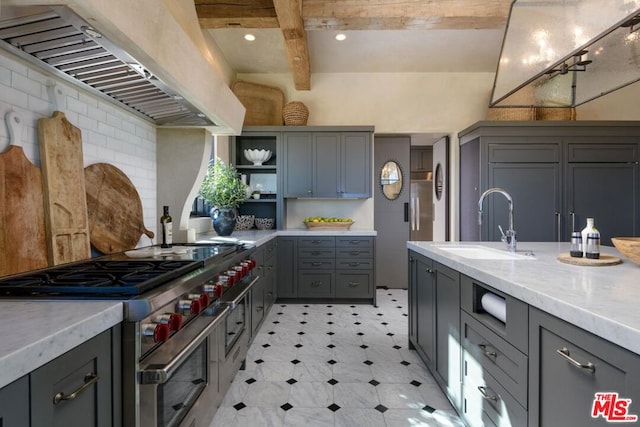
[[590, 234]]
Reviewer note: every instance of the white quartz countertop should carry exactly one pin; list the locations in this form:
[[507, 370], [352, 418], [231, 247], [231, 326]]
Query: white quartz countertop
[[602, 300], [33, 333]]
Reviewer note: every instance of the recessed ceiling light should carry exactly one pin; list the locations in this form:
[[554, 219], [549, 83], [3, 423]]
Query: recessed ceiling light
[[249, 37], [340, 37]]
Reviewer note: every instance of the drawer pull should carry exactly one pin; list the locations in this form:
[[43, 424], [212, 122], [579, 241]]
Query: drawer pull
[[316, 264], [316, 253], [354, 253], [89, 379], [354, 284], [315, 242], [485, 395], [354, 264], [487, 353], [564, 352], [316, 284], [354, 242], [428, 270], [259, 308]]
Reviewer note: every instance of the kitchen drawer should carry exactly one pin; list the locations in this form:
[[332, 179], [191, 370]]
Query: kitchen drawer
[[485, 402], [528, 153], [354, 242], [316, 263], [312, 284], [516, 327], [351, 284], [495, 356], [360, 264], [354, 252], [319, 252], [316, 242]]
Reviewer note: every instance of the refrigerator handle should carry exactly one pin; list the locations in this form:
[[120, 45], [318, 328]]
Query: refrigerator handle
[[406, 212], [413, 214], [418, 213]]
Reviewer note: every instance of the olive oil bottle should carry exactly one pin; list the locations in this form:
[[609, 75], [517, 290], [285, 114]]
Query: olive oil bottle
[[167, 228]]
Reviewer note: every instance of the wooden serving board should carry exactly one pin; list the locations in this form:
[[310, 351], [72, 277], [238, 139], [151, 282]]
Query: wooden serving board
[[116, 221], [23, 244], [65, 203], [604, 260], [328, 225]]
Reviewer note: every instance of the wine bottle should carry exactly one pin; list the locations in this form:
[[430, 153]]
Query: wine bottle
[[167, 228]]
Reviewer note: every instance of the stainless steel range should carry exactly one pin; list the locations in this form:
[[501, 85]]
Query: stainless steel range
[[185, 331]]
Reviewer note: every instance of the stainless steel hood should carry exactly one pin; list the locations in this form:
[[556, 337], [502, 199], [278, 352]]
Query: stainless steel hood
[[564, 53], [60, 41]]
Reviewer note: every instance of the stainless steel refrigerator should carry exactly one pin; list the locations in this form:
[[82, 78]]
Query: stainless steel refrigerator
[[421, 221]]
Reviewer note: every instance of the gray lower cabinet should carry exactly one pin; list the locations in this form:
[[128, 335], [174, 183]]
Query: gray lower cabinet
[[434, 319], [270, 272], [287, 267], [85, 370], [14, 403], [326, 267], [257, 306], [569, 366]]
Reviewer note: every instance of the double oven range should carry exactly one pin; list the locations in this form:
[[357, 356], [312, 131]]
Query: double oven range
[[186, 322]]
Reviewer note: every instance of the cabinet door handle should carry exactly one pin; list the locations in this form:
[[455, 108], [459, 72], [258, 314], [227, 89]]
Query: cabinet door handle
[[354, 253], [558, 226], [572, 214], [354, 284], [89, 379], [428, 270], [406, 212], [487, 353], [316, 284], [316, 264], [485, 395], [259, 308], [354, 264], [354, 242], [315, 253], [565, 354]]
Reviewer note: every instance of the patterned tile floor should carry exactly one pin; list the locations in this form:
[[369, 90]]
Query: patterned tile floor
[[335, 365]]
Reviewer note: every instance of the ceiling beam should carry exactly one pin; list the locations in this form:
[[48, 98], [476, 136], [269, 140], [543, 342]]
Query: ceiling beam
[[236, 14], [295, 38], [405, 14]]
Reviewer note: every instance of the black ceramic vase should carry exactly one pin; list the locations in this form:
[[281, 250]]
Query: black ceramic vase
[[224, 220]]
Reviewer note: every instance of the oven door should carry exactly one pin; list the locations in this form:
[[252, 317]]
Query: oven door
[[179, 373]]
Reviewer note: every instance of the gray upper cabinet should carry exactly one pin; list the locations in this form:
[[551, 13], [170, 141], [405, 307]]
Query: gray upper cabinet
[[558, 174], [298, 164], [327, 164]]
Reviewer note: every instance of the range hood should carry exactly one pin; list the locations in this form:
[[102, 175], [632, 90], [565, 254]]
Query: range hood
[[564, 53], [81, 51]]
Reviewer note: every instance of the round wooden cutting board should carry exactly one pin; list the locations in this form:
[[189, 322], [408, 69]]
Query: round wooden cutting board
[[604, 260], [115, 210]]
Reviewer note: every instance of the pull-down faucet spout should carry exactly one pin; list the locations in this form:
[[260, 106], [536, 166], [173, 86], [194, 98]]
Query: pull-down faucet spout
[[510, 236]]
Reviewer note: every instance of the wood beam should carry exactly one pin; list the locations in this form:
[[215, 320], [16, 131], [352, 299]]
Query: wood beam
[[236, 14], [295, 38], [404, 14]]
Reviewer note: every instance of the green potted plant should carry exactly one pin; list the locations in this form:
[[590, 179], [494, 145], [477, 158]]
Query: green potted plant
[[224, 191]]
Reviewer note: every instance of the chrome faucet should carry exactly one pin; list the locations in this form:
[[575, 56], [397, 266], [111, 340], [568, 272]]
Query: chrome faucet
[[510, 236]]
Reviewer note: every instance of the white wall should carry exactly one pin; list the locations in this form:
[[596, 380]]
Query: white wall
[[440, 103], [109, 133]]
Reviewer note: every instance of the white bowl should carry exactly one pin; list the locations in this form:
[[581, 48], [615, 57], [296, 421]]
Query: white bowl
[[257, 157]]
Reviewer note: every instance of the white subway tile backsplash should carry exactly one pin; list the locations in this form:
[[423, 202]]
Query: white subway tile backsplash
[[13, 97], [5, 76], [77, 106], [22, 83]]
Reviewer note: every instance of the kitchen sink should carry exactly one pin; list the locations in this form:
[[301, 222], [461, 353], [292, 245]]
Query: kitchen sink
[[483, 252]]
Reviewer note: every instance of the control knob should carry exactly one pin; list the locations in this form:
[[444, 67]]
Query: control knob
[[173, 320], [190, 306], [155, 332]]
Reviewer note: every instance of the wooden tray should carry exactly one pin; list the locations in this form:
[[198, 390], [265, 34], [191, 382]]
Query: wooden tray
[[264, 104], [328, 225], [604, 260]]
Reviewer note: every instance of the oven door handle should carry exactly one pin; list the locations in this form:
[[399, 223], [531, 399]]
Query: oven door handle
[[159, 373], [236, 300]]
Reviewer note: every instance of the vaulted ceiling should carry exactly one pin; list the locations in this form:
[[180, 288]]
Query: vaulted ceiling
[[298, 36]]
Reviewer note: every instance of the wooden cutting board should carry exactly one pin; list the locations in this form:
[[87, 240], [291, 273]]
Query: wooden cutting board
[[116, 220], [65, 203], [22, 233]]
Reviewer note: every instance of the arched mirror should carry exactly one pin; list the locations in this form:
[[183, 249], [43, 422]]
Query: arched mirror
[[391, 180]]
